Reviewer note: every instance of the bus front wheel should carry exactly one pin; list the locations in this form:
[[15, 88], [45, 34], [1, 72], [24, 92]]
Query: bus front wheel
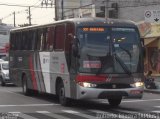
[[114, 101], [61, 94]]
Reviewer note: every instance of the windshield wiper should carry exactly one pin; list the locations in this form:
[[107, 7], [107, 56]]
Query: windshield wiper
[[125, 51], [122, 64], [105, 64]]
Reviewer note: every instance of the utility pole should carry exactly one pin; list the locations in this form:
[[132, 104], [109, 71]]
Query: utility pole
[[29, 17], [14, 18], [62, 10], [55, 4], [106, 8]]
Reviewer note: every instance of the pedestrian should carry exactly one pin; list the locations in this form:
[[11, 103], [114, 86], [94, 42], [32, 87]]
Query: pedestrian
[[149, 81]]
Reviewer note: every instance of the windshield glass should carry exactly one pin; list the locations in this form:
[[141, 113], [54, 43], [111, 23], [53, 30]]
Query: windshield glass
[[114, 50], [5, 66], [126, 47]]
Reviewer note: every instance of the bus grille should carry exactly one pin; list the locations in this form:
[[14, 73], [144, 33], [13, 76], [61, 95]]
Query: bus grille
[[113, 86]]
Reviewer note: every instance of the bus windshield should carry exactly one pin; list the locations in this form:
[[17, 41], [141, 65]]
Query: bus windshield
[[109, 51]]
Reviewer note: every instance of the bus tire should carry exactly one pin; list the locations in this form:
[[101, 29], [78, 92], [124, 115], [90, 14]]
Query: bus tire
[[25, 89], [61, 95], [3, 83], [114, 102]]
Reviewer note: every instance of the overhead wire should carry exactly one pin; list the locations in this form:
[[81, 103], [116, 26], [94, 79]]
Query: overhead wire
[[18, 12]]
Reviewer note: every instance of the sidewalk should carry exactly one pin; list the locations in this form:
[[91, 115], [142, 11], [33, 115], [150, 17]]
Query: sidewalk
[[156, 91]]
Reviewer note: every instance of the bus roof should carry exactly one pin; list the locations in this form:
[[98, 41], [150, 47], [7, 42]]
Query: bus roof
[[95, 21]]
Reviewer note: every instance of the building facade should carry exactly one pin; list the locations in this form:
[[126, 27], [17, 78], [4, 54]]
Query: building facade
[[122, 9], [4, 37]]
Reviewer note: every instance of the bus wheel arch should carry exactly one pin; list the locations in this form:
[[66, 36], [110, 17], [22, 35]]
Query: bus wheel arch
[[60, 92]]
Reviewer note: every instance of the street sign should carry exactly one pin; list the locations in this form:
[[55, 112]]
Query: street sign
[[152, 16]]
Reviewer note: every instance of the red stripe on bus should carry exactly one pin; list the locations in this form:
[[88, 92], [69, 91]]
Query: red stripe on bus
[[32, 73], [87, 78]]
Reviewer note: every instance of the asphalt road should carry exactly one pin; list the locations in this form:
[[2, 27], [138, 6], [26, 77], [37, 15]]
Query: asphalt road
[[14, 105]]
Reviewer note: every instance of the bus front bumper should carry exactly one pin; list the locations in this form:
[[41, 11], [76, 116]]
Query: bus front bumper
[[94, 93]]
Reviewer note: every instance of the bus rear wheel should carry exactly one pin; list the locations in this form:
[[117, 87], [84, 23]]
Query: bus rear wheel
[[25, 89], [114, 102], [3, 83], [61, 95]]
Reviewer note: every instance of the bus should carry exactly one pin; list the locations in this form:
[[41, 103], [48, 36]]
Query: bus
[[79, 58]]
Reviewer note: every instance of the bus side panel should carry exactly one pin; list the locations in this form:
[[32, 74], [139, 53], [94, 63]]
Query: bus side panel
[[13, 70], [45, 71], [35, 72], [26, 63], [59, 68], [19, 65]]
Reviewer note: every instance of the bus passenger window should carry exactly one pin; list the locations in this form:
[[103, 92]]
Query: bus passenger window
[[39, 39], [50, 38], [34, 39], [43, 41], [19, 41], [26, 40], [59, 37], [12, 41], [23, 40], [69, 36]]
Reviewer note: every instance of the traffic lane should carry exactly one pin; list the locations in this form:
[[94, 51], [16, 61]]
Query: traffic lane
[[12, 98], [16, 97], [148, 103]]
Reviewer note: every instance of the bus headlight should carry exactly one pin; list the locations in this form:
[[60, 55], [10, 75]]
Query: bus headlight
[[137, 84], [87, 85]]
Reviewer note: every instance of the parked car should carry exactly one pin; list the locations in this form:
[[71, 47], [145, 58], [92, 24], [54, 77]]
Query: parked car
[[4, 73], [1, 60]]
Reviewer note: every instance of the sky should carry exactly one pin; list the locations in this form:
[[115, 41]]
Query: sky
[[38, 15]]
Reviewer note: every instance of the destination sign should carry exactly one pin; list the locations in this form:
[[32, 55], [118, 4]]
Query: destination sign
[[93, 29]]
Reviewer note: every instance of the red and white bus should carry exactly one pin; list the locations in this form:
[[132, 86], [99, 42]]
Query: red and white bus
[[82, 58]]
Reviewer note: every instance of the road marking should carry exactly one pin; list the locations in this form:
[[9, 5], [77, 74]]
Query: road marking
[[79, 114], [19, 114], [43, 112], [28, 105], [14, 112], [70, 111], [141, 100], [156, 111], [157, 106], [22, 115], [57, 116]]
